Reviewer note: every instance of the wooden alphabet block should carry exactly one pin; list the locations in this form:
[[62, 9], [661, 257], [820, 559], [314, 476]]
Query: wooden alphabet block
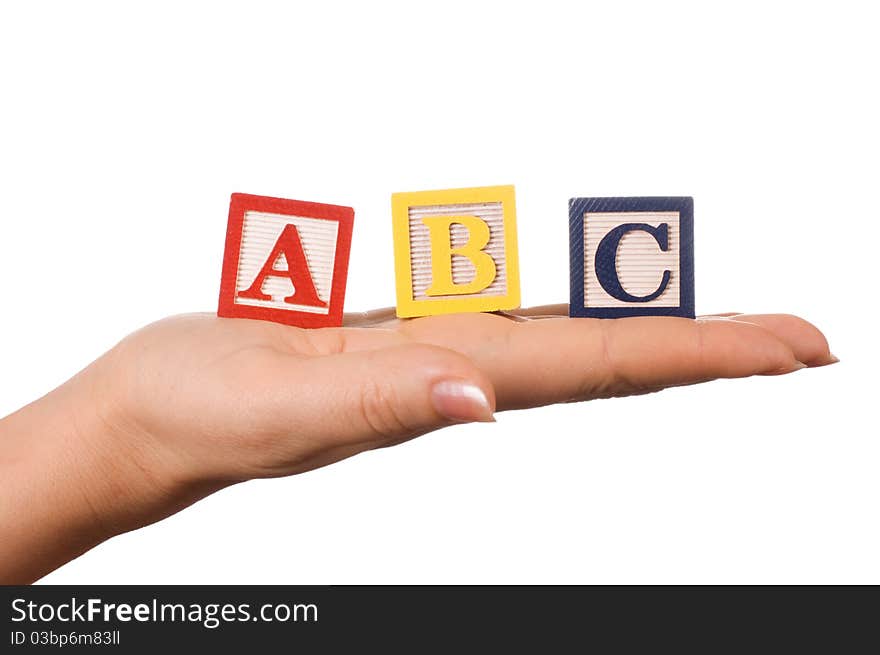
[[632, 257], [285, 261], [455, 251]]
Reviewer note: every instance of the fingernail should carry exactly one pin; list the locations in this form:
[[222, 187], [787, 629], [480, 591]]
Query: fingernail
[[461, 401], [797, 366], [832, 359]]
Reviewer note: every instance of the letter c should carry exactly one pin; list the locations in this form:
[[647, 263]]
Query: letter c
[[606, 260]]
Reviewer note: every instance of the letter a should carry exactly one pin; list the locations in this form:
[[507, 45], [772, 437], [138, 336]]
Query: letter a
[[290, 246]]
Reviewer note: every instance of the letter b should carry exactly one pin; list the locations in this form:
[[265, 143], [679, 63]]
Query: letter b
[[455, 250], [442, 251]]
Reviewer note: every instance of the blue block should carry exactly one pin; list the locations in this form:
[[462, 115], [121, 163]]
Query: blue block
[[632, 257]]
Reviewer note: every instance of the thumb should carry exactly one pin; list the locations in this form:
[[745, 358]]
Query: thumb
[[367, 399]]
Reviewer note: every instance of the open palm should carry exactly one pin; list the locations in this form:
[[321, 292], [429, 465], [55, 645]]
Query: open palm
[[194, 403]]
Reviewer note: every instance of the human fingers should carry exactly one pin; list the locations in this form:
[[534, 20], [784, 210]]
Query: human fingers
[[541, 362]]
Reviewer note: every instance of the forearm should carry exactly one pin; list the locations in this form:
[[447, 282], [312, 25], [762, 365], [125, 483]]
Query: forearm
[[71, 481]]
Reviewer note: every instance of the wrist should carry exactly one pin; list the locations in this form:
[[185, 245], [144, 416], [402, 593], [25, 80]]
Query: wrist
[[133, 477], [76, 473]]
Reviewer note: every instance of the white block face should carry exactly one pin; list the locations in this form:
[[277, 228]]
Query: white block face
[[640, 262], [462, 268], [260, 232]]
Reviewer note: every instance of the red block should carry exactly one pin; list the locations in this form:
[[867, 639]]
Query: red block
[[285, 261]]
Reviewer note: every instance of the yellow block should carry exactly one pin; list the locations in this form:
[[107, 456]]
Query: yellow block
[[455, 250]]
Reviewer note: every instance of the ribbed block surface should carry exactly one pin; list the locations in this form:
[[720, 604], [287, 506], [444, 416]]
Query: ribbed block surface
[[462, 268], [640, 262], [259, 235]]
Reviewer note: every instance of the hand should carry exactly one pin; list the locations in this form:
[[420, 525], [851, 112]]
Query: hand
[[192, 403]]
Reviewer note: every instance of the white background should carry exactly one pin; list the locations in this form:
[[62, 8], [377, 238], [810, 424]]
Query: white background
[[124, 129]]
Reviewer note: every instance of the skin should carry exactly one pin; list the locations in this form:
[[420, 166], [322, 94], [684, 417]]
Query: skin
[[194, 403]]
